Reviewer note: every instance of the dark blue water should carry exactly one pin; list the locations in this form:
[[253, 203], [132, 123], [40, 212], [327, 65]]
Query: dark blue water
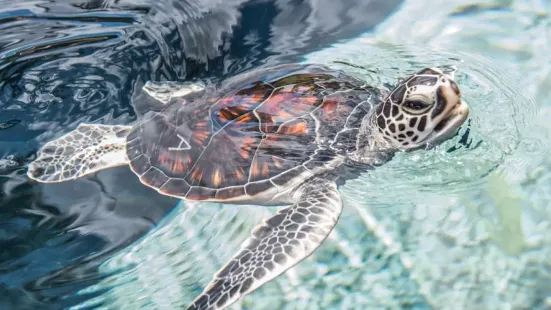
[[71, 61]]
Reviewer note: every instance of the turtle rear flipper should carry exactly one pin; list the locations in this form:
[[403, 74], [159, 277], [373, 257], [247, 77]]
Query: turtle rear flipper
[[164, 91], [87, 149], [155, 96]]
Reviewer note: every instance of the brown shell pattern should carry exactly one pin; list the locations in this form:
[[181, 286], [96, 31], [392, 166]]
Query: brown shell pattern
[[243, 141]]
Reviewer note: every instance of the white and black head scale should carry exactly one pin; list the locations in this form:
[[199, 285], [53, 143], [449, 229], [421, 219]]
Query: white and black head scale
[[423, 110]]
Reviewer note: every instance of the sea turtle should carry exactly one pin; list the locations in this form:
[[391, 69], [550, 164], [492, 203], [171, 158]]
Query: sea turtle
[[285, 135]]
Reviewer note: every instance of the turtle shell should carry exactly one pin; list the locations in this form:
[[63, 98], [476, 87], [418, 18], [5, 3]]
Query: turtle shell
[[256, 136]]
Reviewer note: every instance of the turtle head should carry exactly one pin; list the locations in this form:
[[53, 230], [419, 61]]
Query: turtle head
[[422, 111]]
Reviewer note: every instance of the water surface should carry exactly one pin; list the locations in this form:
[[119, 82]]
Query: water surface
[[67, 62], [464, 226]]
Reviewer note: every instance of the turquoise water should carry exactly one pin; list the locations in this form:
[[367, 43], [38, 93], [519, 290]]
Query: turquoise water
[[464, 226], [64, 62], [462, 229]]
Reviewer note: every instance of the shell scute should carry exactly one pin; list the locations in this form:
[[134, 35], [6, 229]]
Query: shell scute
[[294, 127], [175, 187], [254, 134], [234, 105], [140, 164], [301, 78], [255, 188], [285, 105], [154, 178], [200, 193], [230, 192]]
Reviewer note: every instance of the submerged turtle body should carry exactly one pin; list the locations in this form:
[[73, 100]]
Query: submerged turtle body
[[282, 135], [256, 138]]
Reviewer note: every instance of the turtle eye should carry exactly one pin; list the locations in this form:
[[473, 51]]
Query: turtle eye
[[415, 106]]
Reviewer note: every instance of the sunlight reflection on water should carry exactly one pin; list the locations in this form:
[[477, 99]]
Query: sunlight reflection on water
[[426, 230]]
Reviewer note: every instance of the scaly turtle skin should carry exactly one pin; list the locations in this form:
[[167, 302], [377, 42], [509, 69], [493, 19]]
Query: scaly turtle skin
[[286, 135]]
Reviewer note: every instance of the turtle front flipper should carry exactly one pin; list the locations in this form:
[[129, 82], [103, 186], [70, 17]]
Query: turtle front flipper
[[87, 149], [164, 91], [275, 246]]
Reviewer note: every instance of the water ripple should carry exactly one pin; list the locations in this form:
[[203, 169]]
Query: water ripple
[[500, 130], [67, 62]]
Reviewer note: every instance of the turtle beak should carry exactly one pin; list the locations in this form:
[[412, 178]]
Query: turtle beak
[[456, 114], [452, 121]]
